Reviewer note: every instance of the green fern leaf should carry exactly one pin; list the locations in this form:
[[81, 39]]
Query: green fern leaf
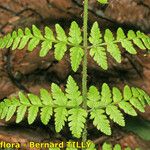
[[46, 114], [21, 113], [58, 95], [10, 41], [117, 96], [23, 99], [106, 95], [128, 46], [77, 120], [115, 114], [95, 35], [103, 1], [46, 46], [11, 112], [106, 146], [144, 95], [75, 34], [120, 34], [60, 49], [135, 102], [117, 147], [17, 39], [144, 38], [6, 104], [99, 55], [4, 42], [33, 43], [113, 49], [61, 114], [142, 100], [32, 114], [73, 93], [108, 37], [101, 121], [25, 38], [93, 97], [49, 34], [127, 93], [47, 43], [15, 102], [136, 40], [127, 107], [135, 92], [16, 42], [4, 112], [147, 98], [92, 146], [37, 32], [35, 100], [76, 57], [61, 35], [20, 33], [46, 97]]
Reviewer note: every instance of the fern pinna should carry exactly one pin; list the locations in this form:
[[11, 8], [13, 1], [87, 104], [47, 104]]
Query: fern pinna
[[74, 106], [98, 48]]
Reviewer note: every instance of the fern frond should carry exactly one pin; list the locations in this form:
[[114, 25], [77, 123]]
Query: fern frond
[[117, 95], [12, 109], [107, 146], [110, 103], [98, 52], [73, 93], [76, 52], [99, 55], [93, 97], [59, 97], [33, 37], [92, 146], [117, 147], [61, 47], [61, 114], [101, 121], [77, 119], [67, 106], [115, 114], [32, 114], [103, 1], [106, 95], [76, 55], [46, 113], [127, 107], [21, 113], [75, 34]]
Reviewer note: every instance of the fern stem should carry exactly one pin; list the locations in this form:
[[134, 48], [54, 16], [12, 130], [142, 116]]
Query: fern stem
[[84, 73]]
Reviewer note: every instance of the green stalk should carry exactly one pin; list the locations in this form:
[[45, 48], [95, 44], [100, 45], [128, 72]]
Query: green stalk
[[84, 65]]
